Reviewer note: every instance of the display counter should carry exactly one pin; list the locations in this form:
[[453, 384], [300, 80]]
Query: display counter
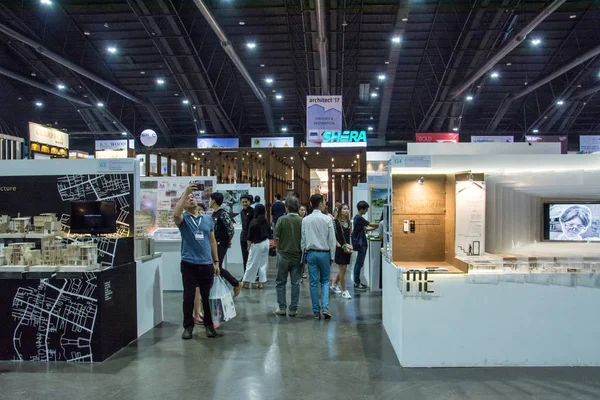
[[149, 292]]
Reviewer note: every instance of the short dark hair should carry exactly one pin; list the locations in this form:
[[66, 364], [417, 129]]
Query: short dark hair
[[257, 199], [278, 196], [217, 197], [247, 197], [201, 206], [292, 204], [362, 205], [315, 200]]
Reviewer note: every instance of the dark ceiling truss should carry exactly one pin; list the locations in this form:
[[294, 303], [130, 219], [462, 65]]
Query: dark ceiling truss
[[349, 67]]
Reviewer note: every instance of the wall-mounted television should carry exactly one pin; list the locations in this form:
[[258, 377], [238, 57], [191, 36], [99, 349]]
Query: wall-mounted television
[[572, 221], [93, 217]]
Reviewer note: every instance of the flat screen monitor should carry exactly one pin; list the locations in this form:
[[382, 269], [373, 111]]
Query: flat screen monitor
[[572, 221], [93, 217]]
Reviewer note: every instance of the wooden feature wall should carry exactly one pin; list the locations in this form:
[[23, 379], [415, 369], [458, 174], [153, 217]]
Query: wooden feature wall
[[450, 219], [426, 205]]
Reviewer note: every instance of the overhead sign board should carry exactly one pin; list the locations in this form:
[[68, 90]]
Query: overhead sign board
[[563, 140], [437, 137], [50, 136], [404, 161], [273, 142], [218, 143], [492, 139], [344, 139], [589, 144], [323, 114], [123, 144]]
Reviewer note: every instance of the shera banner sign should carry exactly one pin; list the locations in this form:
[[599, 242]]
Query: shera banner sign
[[563, 140], [50, 136], [323, 114], [589, 144], [437, 137]]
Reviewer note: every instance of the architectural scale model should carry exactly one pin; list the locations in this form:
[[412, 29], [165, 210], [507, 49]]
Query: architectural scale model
[[53, 253], [4, 223], [21, 254], [20, 224], [45, 223]]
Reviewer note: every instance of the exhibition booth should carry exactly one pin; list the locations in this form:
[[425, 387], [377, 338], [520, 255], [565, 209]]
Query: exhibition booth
[[493, 259], [71, 286]]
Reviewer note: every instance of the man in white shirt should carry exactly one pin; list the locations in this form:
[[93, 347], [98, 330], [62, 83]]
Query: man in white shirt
[[318, 243]]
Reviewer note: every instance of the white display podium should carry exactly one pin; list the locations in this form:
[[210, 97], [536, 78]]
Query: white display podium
[[149, 293]]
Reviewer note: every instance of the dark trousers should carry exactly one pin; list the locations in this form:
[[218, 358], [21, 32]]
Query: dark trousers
[[222, 250], [193, 276], [360, 262], [244, 244]]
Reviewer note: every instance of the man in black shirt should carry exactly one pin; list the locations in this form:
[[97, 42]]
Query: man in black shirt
[[247, 215], [224, 231], [277, 209]]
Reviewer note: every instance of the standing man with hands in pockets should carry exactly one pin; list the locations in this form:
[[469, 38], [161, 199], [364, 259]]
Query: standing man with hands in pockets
[[199, 259], [318, 241]]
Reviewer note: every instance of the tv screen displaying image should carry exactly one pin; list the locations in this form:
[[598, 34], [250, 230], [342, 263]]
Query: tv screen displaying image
[[573, 222], [93, 217]]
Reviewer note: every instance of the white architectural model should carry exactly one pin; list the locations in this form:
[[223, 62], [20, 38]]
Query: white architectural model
[[82, 254], [20, 225], [45, 223], [4, 224], [53, 253], [21, 254], [53, 250]]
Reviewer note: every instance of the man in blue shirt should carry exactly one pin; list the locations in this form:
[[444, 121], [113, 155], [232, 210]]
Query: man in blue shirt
[[199, 259]]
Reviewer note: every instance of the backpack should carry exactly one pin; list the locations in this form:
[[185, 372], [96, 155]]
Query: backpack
[[221, 234]]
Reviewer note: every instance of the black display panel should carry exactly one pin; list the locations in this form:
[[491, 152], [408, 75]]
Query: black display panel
[[93, 217], [572, 221]]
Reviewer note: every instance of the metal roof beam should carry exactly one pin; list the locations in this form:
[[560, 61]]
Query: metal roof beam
[[323, 46]]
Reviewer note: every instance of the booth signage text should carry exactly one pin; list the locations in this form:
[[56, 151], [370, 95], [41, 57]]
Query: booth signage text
[[344, 139], [50, 136]]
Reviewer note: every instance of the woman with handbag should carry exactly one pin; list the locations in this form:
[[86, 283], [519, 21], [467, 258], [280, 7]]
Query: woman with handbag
[[343, 250]]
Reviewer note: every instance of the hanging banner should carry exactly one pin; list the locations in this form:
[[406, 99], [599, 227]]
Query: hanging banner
[[113, 148], [218, 143], [323, 114], [492, 139], [50, 136], [273, 142], [589, 144], [437, 137], [563, 140]]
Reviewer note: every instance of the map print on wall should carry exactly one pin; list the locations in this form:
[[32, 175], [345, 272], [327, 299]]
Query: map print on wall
[[60, 320]]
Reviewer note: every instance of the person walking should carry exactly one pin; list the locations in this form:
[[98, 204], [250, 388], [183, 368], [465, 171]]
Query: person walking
[[277, 209], [247, 215], [199, 259], [288, 237], [224, 231], [318, 241], [258, 248], [343, 250], [302, 214], [359, 241]]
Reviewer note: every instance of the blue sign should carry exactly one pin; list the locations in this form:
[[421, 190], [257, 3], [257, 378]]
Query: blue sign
[[218, 143]]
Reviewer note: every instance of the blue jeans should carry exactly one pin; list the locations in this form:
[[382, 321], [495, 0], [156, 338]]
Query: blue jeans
[[319, 269], [294, 269], [360, 262]]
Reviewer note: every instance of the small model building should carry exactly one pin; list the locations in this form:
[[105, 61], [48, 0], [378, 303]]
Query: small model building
[[4, 224], [82, 254], [21, 224], [19, 254], [53, 251], [45, 223]]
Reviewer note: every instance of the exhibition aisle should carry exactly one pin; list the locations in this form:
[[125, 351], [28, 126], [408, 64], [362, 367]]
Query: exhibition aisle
[[265, 356]]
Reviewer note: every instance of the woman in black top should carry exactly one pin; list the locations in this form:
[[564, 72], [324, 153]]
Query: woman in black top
[[343, 250], [259, 233]]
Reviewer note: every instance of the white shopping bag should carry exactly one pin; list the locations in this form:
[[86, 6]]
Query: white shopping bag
[[222, 308]]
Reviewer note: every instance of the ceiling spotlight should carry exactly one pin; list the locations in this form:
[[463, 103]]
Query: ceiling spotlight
[[278, 97], [160, 81], [106, 24], [370, 128], [284, 129], [358, 156], [404, 19], [251, 45], [573, 16], [495, 75], [143, 72], [374, 95], [396, 40], [111, 49], [560, 102], [535, 131], [33, 74], [202, 131], [509, 64], [526, 83], [536, 42], [344, 23], [387, 62], [455, 129], [39, 104], [332, 159], [306, 152], [269, 80], [317, 153], [124, 133], [242, 23], [262, 65], [291, 158], [186, 101], [46, 2], [260, 156], [60, 86], [100, 104], [469, 98], [86, 33], [381, 77]]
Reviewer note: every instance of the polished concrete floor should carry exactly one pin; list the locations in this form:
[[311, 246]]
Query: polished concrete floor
[[264, 356]]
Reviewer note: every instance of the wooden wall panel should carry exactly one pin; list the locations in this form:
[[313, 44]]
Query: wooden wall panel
[[450, 219]]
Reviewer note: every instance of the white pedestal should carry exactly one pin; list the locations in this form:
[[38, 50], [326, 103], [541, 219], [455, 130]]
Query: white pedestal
[[149, 293], [170, 270], [493, 320]]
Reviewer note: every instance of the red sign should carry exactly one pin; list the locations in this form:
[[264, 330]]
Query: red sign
[[437, 137]]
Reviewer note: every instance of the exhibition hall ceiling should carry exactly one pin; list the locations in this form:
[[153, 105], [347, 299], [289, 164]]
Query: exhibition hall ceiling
[[478, 67]]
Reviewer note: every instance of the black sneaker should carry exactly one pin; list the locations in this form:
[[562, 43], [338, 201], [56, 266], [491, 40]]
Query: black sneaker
[[211, 332], [326, 314], [361, 286], [187, 333], [317, 315]]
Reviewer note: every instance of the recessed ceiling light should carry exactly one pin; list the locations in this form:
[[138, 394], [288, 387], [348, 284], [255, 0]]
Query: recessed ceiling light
[[262, 65], [344, 23], [535, 131], [203, 131], [46, 2], [526, 83], [60, 86], [143, 72], [536, 42], [509, 64], [111, 49], [39, 104], [251, 45], [560, 102], [381, 77], [186, 101], [374, 95], [279, 97], [106, 24], [495, 75], [160, 81], [455, 129], [176, 94], [269, 80], [284, 129], [396, 40], [317, 153], [19, 98], [387, 62], [404, 19], [291, 158], [86, 33], [306, 152], [242, 23], [124, 133], [370, 128], [33, 74], [469, 98], [100, 104], [572, 16], [194, 107]]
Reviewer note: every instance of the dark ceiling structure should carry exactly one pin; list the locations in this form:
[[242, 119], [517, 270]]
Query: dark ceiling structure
[[243, 68]]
